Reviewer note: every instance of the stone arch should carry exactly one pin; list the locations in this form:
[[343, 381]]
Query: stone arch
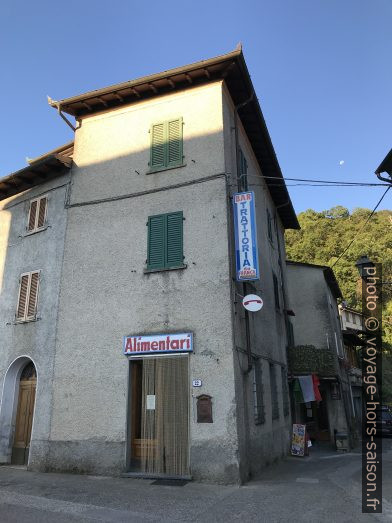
[[9, 405]]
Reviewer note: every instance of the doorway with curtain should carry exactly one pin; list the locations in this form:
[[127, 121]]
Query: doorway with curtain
[[159, 415]]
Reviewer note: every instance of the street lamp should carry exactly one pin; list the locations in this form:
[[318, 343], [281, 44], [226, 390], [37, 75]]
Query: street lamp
[[363, 263]]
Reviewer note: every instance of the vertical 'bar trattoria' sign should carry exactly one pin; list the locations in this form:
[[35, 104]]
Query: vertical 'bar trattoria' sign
[[247, 260]]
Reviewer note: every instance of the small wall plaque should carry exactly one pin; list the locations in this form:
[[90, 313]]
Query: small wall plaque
[[150, 402], [197, 383], [204, 409]]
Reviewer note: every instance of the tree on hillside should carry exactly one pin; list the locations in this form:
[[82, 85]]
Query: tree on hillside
[[324, 236], [322, 239]]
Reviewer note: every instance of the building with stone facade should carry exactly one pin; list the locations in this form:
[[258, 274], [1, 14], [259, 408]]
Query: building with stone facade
[[354, 339], [124, 344], [317, 348]]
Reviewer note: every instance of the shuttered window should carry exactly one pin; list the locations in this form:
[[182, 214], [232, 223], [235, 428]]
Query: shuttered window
[[274, 392], [276, 291], [166, 145], [37, 214], [285, 392], [258, 400], [165, 241], [243, 171], [269, 226], [28, 296]]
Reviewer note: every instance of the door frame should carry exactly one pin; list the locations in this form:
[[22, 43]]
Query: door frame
[[128, 445], [9, 406]]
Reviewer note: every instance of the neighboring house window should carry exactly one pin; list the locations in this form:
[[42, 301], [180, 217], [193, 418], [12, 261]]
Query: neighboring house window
[[37, 214], [269, 226], [276, 291], [285, 392], [166, 145], [338, 344], [165, 241], [274, 392], [258, 402], [28, 296], [243, 170], [290, 333]]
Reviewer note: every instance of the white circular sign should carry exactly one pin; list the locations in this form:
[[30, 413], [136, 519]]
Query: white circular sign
[[252, 302]]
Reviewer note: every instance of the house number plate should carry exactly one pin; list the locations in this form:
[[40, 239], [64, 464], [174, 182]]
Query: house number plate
[[196, 383]]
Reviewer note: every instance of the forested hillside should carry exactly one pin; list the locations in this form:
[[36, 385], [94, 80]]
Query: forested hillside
[[324, 236]]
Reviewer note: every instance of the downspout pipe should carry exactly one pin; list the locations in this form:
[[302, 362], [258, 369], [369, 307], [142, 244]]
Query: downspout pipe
[[55, 104]]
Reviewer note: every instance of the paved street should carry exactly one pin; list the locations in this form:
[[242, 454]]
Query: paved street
[[322, 487]]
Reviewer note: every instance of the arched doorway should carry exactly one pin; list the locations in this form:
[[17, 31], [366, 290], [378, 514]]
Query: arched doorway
[[24, 415]]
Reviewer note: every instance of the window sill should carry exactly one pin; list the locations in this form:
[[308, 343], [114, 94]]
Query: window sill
[[160, 169], [29, 233], [148, 271], [30, 320]]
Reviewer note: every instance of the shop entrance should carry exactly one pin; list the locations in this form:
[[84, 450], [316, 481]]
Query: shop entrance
[[159, 415], [316, 415], [24, 415]]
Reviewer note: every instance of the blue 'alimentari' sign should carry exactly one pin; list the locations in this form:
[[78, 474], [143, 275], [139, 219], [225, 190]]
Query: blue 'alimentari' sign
[[246, 254]]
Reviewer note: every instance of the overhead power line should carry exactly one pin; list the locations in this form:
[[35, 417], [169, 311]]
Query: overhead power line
[[321, 185], [281, 181]]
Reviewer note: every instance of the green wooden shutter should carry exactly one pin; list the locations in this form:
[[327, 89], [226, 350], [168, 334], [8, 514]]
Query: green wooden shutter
[[156, 242], [158, 146], [174, 145], [174, 252]]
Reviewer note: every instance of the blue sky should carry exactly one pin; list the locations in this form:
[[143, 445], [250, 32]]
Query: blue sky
[[321, 70]]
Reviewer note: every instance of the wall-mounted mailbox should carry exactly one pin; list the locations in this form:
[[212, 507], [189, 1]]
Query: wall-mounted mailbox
[[204, 409]]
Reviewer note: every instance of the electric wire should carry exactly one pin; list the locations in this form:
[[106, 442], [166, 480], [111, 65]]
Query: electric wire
[[318, 185], [363, 226], [281, 181]]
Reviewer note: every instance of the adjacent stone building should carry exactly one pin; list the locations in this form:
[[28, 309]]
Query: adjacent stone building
[[354, 339], [317, 348], [32, 231], [146, 361]]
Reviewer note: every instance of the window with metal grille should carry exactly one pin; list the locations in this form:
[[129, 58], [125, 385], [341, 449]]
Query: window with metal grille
[[243, 171], [37, 214], [165, 241], [290, 334], [269, 226], [285, 392], [276, 291], [258, 400], [274, 392], [28, 296], [166, 145]]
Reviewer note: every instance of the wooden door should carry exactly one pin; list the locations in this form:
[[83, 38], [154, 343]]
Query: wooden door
[[24, 420]]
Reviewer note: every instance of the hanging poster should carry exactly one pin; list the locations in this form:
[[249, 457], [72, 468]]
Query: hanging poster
[[246, 254], [298, 440]]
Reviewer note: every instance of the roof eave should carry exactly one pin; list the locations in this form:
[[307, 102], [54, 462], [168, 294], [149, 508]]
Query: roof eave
[[232, 69], [65, 104], [386, 165], [38, 172]]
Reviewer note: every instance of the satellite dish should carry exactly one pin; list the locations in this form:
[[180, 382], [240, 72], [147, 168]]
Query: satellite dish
[[252, 302]]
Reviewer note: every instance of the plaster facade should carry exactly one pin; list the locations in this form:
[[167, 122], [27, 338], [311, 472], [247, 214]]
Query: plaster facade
[[269, 440], [317, 323], [100, 291], [35, 341]]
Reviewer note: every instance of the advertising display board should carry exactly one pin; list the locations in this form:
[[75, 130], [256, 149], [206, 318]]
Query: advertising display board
[[246, 254]]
